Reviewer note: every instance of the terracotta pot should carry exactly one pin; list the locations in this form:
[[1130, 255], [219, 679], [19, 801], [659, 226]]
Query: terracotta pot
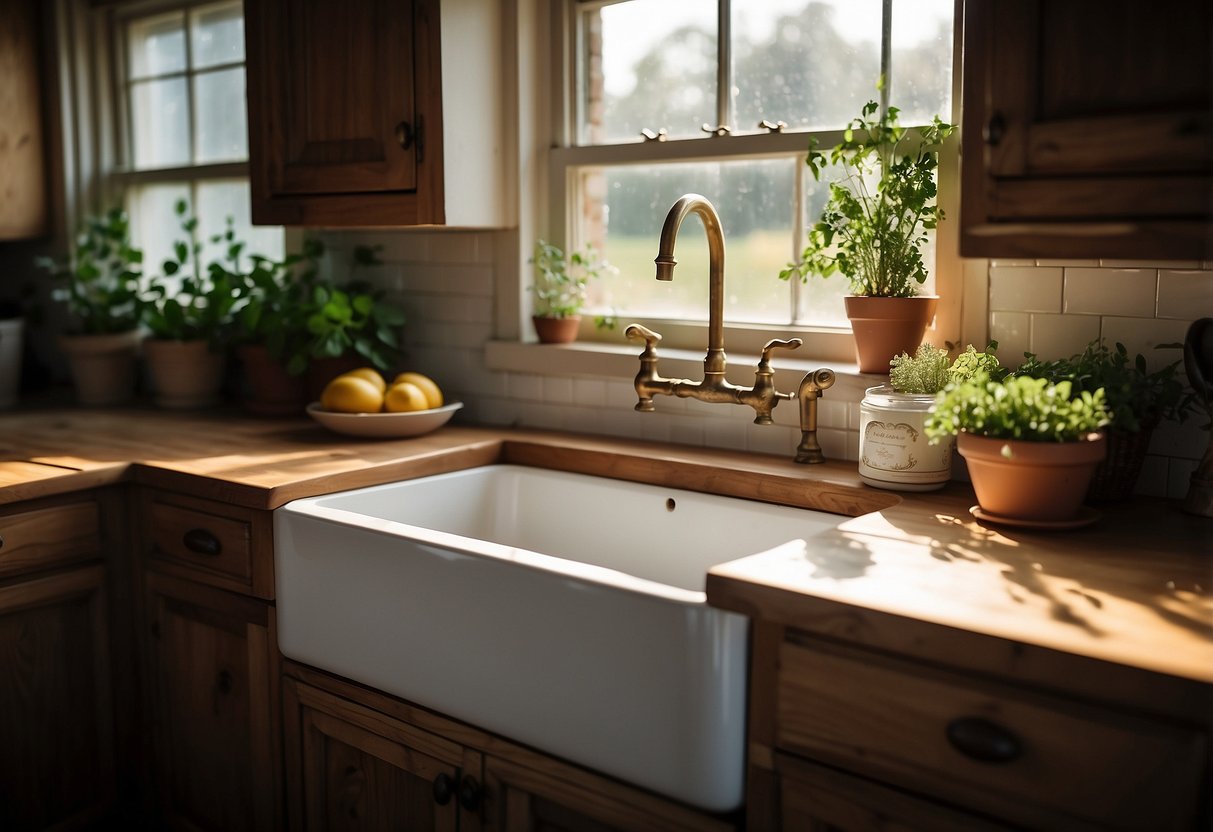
[[556, 330], [1034, 481], [185, 374], [102, 366], [268, 389], [887, 327]]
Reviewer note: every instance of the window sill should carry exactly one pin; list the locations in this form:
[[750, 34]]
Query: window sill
[[610, 361]]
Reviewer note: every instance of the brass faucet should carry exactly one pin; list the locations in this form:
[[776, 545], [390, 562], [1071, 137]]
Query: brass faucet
[[713, 387]]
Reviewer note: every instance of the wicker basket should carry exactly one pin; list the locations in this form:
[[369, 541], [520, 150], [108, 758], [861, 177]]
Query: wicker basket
[[1116, 477]]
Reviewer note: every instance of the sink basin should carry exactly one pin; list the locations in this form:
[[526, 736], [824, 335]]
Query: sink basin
[[564, 611]]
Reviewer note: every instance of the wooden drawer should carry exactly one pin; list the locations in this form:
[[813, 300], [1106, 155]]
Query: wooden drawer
[[51, 535], [1045, 762], [214, 543]]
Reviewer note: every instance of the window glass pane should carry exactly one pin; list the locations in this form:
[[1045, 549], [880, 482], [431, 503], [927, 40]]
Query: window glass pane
[[648, 64], [809, 63], [754, 200], [922, 60], [160, 123], [217, 35], [154, 224], [219, 115], [223, 198], [156, 45]]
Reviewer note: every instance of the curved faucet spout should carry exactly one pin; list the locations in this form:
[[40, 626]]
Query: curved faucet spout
[[714, 362]]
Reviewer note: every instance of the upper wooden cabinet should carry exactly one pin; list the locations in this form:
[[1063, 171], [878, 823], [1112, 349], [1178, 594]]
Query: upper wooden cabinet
[[23, 209], [1087, 129], [346, 112]]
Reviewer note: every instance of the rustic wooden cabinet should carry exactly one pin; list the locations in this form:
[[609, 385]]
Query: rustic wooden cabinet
[[57, 765], [361, 759], [211, 663], [848, 738], [1087, 129], [353, 119], [23, 208]]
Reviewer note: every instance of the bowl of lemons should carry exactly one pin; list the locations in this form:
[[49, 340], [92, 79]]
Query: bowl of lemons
[[362, 403]]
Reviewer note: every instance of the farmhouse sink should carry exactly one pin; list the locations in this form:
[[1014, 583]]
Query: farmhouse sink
[[562, 610]]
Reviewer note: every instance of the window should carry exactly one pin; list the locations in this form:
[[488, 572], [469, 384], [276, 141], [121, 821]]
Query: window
[[720, 97], [180, 71]]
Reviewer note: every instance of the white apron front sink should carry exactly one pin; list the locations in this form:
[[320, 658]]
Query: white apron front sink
[[561, 610]]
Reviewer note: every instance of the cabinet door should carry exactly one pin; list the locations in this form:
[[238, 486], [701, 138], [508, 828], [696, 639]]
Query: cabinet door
[[213, 679], [344, 105], [1088, 129], [56, 729], [554, 797], [352, 768]]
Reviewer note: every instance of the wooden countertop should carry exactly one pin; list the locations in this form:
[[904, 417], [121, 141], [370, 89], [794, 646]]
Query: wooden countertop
[[1135, 589]]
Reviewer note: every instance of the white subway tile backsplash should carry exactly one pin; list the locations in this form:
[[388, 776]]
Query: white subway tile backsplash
[[1012, 331], [1185, 441], [1143, 335], [1149, 264], [1025, 289], [1185, 294], [772, 439], [449, 279], [721, 433], [620, 395], [1000, 262], [1060, 336], [1111, 291], [526, 387], [687, 432], [830, 413], [460, 247], [1067, 263], [558, 390], [589, 392]]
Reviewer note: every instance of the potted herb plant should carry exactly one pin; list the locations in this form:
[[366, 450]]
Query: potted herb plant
[[190, 313], [873, 229], [101, 276], [560, 288], [1137, 399], [893, 449], [1031, 446]]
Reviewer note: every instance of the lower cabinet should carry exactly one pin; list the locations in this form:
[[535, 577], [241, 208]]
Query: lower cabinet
[[358, 759], [212, 678], [57, 764]]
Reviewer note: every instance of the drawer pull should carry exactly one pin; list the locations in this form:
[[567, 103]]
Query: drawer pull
[[202, 542], [444, 788], [469, 794], [982, 740]]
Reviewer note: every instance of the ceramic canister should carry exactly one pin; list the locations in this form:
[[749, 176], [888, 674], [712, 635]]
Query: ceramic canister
[[893, 451]]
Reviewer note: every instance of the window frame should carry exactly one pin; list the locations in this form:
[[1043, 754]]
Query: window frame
[[566, 159]]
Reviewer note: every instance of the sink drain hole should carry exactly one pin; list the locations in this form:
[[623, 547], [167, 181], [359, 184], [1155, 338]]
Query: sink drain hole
[[670, 505]]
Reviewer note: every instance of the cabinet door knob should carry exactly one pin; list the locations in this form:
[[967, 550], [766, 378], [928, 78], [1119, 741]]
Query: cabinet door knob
[[202, 542], [404, 135], [443, 788], [982, 740], [995, 129], [469, 794]]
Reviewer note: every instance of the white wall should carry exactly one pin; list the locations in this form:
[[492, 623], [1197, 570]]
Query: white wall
[[446, 281]]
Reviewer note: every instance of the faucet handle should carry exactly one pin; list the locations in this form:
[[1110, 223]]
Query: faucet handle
[[636, 332], [764, 363]]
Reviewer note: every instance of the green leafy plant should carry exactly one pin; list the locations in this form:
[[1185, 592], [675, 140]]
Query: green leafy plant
[[1136, 397], [924, 372], [561, 283], [187, 303], [101, 275], [971, 362], [874, 224], [279, 302], [1018, 407]]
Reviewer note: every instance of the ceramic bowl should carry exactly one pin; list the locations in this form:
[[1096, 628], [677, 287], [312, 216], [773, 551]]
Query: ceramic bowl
[[384, 425]]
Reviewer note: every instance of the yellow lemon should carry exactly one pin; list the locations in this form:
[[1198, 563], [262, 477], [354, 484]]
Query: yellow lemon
[[405, 397], [351, 394], [433, 394], [371, 375]]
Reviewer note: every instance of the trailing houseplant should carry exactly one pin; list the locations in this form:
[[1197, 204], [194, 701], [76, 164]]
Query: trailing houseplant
[[893, 449], [561, 286], [100, 286], [874, 226], [1031, 446], [1137, 400]]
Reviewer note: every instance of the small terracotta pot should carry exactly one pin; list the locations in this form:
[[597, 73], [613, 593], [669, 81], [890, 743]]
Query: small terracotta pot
[[887, 327], [1037, 481], [102, 366], [268, 389], [185, 374], [556, 330]]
